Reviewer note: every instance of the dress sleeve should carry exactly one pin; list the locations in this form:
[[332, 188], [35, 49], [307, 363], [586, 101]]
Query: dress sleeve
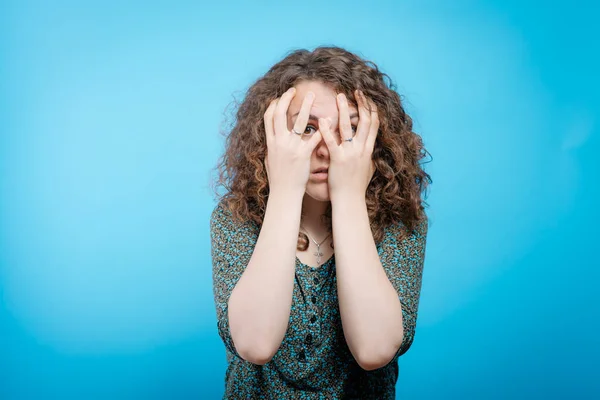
[[232, 244], [403, 261]]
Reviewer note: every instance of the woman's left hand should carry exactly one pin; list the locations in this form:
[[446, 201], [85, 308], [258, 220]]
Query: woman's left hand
[[350, 164]]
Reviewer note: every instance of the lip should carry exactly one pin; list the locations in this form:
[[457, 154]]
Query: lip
[[319, 176]]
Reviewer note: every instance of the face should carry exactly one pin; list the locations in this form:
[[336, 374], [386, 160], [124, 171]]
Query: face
[[324, 105]]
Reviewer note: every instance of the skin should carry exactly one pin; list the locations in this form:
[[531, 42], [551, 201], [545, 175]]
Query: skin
[[316, 196], [259, 306]]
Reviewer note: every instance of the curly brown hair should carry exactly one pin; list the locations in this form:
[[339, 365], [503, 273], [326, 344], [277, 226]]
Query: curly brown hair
[[394, 193]]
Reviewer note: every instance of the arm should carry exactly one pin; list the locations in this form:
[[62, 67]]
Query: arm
[[254, 301], [257, 308], [378, 296]]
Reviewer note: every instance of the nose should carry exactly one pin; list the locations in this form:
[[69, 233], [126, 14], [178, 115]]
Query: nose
[[322, 150]]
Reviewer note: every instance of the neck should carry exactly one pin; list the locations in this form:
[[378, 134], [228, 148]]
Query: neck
[[312, 216]]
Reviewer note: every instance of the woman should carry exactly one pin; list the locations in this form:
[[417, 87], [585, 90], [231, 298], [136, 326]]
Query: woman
[[321, 158]]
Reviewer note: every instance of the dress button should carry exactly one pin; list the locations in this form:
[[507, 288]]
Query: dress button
[[313, 299], [313, 319], [302, 355], [316, 280], [308, 339]]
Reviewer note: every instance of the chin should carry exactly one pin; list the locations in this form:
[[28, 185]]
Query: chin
[[318, 192]]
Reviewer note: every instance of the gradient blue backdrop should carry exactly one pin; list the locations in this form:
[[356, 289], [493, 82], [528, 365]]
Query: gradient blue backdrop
[[109, 121]]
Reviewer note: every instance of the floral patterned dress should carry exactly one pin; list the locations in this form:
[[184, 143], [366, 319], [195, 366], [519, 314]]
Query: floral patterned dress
[[313, 361]]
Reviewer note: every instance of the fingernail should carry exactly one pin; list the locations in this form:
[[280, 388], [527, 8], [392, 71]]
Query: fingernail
[[341, 96], [310, 95], [292, 89]]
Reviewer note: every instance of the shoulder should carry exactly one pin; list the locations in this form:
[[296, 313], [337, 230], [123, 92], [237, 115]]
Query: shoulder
[[399, 232], [223, 222], [222, 216], [220, 212]]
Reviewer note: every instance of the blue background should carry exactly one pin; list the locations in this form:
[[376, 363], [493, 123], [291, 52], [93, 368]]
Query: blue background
[[109, 126]]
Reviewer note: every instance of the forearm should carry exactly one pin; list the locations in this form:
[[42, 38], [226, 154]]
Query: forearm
[[259, 306], [370, 309]]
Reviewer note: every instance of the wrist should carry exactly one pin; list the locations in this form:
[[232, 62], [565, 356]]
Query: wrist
[[289, 196], [347, 197]]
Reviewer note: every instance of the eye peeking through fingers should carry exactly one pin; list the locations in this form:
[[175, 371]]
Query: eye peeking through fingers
[[310, 130], [354, 128]]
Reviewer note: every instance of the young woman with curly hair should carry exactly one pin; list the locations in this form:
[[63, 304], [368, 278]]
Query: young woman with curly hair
[[318, 243]]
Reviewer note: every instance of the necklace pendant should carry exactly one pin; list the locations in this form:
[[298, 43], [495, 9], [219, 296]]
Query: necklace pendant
[[319, 255]]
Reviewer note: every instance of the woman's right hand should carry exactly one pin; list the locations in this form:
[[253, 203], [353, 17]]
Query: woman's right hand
[[288, 154]]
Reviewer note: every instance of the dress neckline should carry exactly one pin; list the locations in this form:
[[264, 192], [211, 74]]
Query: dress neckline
[[325, 264]]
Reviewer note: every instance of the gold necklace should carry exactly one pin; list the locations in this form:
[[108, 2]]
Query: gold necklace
[[319, 254]]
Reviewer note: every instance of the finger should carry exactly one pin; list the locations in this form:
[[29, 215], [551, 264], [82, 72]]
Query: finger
[[344, 117], [268, 118], [314, 140], [374, 127], [281, 111], [324, 128], [302, 118], [364, 117]]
